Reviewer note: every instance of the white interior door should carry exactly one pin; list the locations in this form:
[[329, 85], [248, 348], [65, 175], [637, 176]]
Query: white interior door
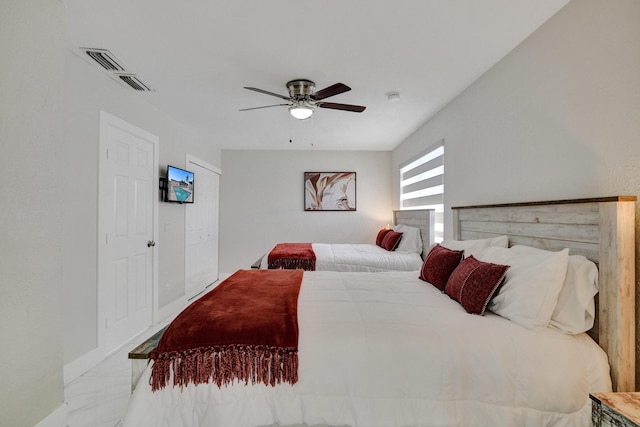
[[201, 228], [126, 248]]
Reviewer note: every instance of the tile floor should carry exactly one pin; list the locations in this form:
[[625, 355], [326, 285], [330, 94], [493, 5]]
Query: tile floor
[[100, 396]]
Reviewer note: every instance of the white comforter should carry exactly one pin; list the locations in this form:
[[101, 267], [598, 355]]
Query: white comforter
[[388, 349], [360, 257]]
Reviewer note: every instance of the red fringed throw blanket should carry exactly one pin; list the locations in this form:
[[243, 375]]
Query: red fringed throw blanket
[[291, 256], [245, 329]]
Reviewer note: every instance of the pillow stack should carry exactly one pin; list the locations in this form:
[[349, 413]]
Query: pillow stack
[[475, 247], [388, 239], [411, 239], [470, 282], [575, 309], [473, 283], [400, 238], [532, 287], [383, 232], [438, 266]]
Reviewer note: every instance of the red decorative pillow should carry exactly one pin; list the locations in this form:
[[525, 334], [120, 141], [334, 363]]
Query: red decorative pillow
[[381, 235], [473, 283], [391, 240], [439, 264]]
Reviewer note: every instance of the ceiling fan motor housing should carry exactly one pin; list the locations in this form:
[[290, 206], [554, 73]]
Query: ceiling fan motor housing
[[303, 96], [301, 88]]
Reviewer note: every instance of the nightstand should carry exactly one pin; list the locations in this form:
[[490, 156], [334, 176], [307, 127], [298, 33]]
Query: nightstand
[[615, 409]]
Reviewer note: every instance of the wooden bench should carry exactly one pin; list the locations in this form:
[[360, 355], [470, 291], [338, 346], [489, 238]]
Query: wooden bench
[[256, 265], [140, 356]]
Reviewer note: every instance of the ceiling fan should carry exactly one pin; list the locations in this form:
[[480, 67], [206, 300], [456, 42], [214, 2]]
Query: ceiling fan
[[303, 98]]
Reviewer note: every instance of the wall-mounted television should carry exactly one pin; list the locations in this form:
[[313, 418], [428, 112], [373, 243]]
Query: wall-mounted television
[[179, 185]]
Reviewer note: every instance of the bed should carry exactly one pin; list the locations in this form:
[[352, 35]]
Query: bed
[[405, 254], [388, 349]]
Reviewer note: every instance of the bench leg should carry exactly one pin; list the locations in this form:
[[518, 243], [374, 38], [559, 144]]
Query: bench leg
[[137, 368]]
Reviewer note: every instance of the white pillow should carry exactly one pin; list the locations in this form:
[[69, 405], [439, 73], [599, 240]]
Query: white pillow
[[576, 308], [475, 247], [529, 294], [411, 240]]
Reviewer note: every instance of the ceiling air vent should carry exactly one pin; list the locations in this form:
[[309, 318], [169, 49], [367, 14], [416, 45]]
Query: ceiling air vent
[[104, 58], [133, 81], [115, 69]]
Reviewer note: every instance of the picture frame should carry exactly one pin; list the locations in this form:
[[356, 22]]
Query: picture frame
[[329, 191]]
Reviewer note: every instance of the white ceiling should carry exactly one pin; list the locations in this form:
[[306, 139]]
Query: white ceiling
[[198, 54]]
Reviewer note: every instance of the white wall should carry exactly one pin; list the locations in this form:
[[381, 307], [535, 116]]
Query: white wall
[[557, 118], [89, 90], [261, 201], [31, 75]]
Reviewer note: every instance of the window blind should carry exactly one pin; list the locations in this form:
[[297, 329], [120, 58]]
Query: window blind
[[422, 185]]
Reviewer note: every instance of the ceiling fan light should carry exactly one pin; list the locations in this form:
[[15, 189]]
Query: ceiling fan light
[[301, 112]]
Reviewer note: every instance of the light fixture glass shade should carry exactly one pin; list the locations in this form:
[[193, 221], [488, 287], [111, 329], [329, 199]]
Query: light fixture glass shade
[[301, 112]]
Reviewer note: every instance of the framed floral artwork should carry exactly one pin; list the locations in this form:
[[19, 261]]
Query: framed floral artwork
[[329, 191]]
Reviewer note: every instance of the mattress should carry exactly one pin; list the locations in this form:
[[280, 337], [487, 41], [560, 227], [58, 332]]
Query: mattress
[[387, 349], [361, 257]]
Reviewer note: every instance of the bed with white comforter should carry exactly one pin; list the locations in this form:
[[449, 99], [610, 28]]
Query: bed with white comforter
[[363, 257], [388, 349], [406, 255]]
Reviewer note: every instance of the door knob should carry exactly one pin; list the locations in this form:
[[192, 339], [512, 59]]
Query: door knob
[[151, 243]]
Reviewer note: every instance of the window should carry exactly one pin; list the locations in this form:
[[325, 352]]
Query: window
[[422, 185]]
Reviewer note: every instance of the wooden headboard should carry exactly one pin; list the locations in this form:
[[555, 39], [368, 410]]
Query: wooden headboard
[[423, 219], [603, 230]]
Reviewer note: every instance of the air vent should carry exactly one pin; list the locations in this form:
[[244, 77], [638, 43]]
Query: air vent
[[133, 81], [104, 58], [114, 68]]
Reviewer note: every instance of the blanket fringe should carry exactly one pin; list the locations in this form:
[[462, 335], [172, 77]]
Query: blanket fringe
[[293, 264], [224, 364]]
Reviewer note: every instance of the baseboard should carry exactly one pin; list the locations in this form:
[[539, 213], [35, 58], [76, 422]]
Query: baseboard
[[87, 361], [222, 277], [57, 418], [170, 310], [82, 364]]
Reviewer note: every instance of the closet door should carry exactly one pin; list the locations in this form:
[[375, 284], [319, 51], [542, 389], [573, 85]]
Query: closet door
[[201, 233]]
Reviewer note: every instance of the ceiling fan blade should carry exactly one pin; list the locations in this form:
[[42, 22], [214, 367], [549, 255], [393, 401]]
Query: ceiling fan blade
[[330, 91], [343, 107], [255, 89], [266, 106]]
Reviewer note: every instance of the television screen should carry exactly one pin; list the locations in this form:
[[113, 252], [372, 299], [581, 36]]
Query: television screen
[[179, 185]]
